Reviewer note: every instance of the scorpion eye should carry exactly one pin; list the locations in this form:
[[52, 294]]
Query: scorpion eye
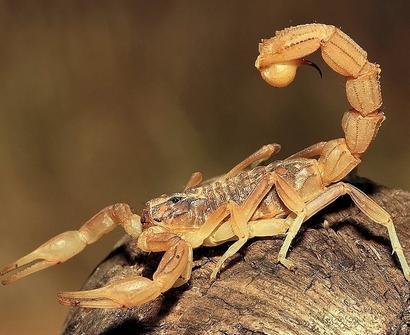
[[175, 200]]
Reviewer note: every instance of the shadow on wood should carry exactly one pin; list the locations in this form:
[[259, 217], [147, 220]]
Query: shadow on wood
[[346, 282]]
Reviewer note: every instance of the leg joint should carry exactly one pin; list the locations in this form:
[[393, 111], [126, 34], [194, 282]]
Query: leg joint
[[121, 212]]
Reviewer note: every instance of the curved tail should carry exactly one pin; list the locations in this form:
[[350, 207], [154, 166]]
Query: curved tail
[[281, 55]]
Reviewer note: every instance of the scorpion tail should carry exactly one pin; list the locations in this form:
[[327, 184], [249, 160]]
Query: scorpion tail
[[281, 55]]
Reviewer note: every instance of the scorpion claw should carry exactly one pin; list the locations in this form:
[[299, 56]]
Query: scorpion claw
[[55, 251], [24, 267], [124, 293], [79, 299]]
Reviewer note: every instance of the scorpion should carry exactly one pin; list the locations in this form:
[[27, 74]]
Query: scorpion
[[252, 199]]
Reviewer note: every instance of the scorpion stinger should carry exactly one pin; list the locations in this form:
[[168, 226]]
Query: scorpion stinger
[[310, 63]]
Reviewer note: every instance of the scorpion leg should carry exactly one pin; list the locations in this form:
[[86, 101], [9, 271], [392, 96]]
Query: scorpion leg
[[195, 180], [295, 225], [238, 223], [137, 290], [369, 207], [268, 227], [309, 152], [66, 245], [257, 157], [295, 203], [204, 235], [240, 216], [257, 228]]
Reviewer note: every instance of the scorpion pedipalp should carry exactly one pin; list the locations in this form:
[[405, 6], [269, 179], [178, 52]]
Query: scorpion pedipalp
[[127, 292], [68, 244], [55, 251]]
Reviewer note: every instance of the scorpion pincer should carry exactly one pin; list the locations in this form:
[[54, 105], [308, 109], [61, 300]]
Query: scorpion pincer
[[251, 199]]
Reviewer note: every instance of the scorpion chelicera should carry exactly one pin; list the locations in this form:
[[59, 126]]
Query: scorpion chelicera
[[251, 199]]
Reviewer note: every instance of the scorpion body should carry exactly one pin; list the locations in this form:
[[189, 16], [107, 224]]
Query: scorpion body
[[301, 173], [251, 199]]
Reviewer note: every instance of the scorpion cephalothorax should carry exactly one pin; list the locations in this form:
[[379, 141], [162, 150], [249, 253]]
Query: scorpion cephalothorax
[[251, 199]]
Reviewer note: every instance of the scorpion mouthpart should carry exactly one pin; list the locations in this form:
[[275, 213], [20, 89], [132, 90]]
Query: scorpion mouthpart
[[145, 219], [310, 63]]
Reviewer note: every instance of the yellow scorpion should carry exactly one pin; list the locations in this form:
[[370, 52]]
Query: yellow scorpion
[[251, 199]]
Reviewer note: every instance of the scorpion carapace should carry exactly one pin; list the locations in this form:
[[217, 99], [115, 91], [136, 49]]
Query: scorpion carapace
[[251, 199]]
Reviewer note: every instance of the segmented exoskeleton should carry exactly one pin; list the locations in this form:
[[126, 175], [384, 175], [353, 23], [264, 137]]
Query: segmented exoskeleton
[[251, 199]]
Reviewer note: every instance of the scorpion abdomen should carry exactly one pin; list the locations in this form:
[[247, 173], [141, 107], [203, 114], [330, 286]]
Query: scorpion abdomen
[[303, 174]]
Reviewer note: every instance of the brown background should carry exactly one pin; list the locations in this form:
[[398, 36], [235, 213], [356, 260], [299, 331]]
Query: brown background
[[102, 102]]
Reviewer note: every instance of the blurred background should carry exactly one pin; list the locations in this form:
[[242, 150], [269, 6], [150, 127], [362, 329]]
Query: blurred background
[[119, 101]]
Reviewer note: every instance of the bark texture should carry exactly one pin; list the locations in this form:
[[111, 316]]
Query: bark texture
[[346, 282]]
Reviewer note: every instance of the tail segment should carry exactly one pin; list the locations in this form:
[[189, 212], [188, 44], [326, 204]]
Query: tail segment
[[278, 61]]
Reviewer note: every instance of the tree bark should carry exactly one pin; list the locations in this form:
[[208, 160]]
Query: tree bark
[[346, 282]]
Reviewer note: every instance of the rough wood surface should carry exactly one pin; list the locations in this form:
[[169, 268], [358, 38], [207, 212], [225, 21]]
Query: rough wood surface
[[347, 282]]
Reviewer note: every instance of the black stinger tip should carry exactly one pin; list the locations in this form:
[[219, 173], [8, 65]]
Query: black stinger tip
[[308, 62]]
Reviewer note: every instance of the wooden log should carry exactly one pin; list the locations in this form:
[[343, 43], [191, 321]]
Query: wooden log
[[346, 282]]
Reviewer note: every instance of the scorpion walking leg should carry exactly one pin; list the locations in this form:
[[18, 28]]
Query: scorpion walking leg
[[295, 225], [238, 223], [257, 157], [294, 202], [195, 180], [66, 245], [309, 152], [368, 206], [215, 220], [240, 216], [257, 228], [137, 290], [268, 227]]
